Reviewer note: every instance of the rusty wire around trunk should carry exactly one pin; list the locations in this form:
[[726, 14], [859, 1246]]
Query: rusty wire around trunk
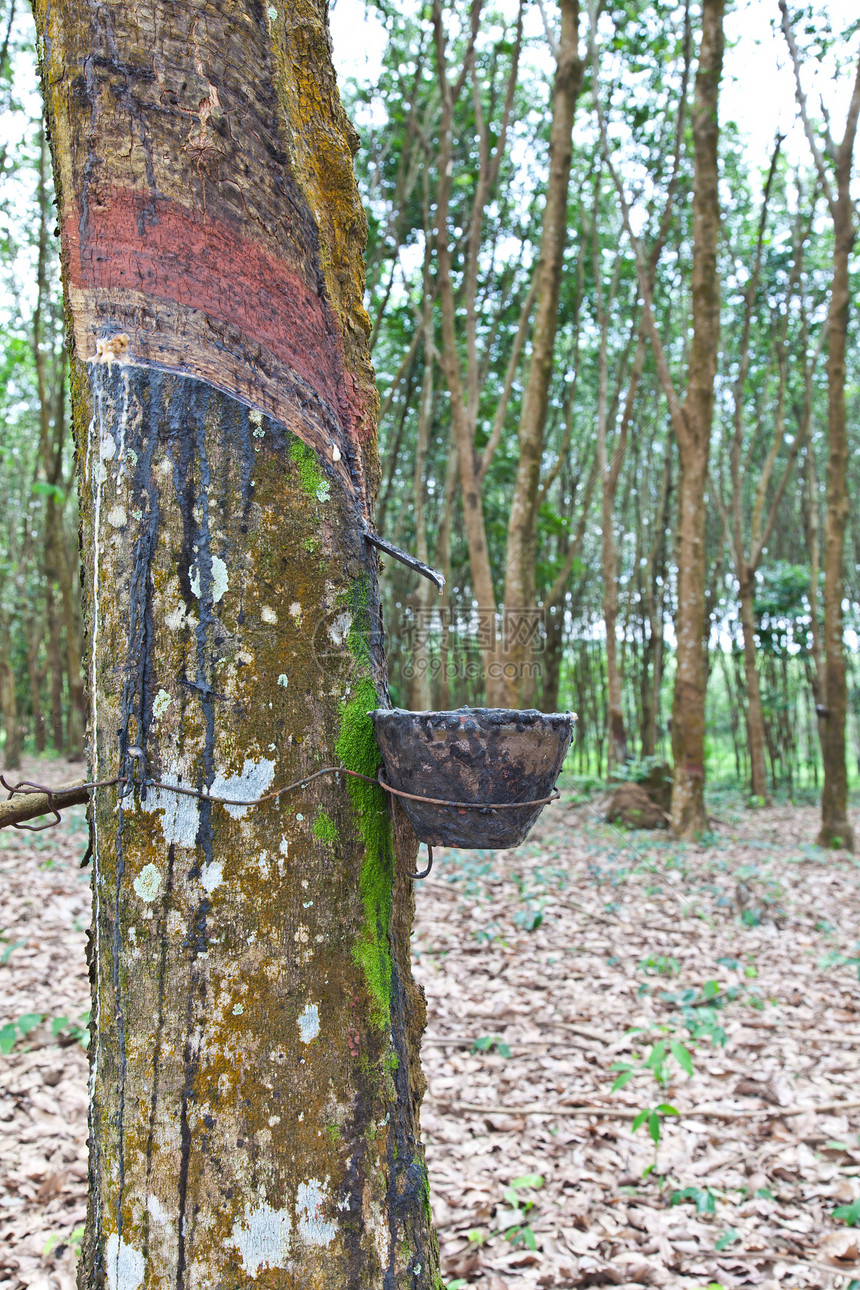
[[29, 788]]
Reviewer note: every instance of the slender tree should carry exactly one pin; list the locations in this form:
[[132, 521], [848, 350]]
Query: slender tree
[[254, 1078], [833, 162]]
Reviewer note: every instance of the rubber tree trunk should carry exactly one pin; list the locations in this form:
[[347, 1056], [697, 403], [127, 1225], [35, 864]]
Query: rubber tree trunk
[[254, 1080], [689, 817], [755, 713], [835, 828]]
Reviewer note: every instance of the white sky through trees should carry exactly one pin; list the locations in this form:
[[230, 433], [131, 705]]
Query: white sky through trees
[[758, 82]]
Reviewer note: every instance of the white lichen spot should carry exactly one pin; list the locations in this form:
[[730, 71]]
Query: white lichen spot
[[296, 612], [157, 1210], [255, 416], [302, 936], [117, 517], [161, 703], [212, 875], [335, 452], [306, 904], [180, 818], [148, 883], [282, 680], [124, 1264], [175, 923], [107, 447], [299, 817], [284, 848], [219, 579], [134, 947], [309, 1023], [273, 13], [255, 778], [313, 1228], [323, 490], [237, 1009], [301, 1116], [268, 614], [319, 939], [339, 629], [263, 1239], [273, 1120], [175, 618]]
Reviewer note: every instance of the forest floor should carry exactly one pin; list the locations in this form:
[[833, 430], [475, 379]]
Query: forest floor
[[738, 960]]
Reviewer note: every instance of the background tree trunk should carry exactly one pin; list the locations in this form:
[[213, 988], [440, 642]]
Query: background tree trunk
[[688, 706], [254, 1079]]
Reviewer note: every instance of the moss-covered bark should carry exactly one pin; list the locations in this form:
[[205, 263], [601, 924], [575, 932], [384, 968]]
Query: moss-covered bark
[[254, 1081]]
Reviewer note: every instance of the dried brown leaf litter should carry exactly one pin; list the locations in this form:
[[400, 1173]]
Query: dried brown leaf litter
[[547, 957]]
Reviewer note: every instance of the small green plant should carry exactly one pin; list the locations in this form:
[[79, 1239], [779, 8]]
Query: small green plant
[[20, 1029], [703, 1199], [657, 1062], [519, 1230], [849, 1214], [661, 964], [75, 1030], [528, 920], [835, 959], [485, 1043], [653, 1117], [728, 1238], [15, 1030], [10, 949]]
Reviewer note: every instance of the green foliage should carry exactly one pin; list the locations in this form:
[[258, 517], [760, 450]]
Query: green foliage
[[61, 1028], [485, 1044], [849, 1214]]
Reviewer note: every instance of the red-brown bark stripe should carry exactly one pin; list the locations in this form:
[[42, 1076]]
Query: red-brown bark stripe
[[174, 254]]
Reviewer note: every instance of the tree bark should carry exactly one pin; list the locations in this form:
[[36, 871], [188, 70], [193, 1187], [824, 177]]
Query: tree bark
[[254, 1075], [835, 827], [9, 703], [689, 816]]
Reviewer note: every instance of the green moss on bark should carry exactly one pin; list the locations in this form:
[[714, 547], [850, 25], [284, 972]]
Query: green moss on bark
[[311, 478], [324, 827], [357, 749]]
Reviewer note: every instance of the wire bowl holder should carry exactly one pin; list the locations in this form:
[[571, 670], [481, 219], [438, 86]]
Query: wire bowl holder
[[498, 765]]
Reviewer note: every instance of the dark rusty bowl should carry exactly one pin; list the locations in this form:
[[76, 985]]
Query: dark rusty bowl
[[480, 755]]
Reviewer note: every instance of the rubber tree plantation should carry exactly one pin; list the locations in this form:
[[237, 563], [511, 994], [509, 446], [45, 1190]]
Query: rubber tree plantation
[[254, 1074]]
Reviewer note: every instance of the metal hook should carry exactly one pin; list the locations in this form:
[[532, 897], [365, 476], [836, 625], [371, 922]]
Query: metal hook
[[422, 873]]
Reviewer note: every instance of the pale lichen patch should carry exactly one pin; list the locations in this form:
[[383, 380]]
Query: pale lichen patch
[[313, 1228], [220, 580], [255, 778], [212, 875], [309, 1023], [268, 614], [263, 1239], [124, 1265], [161, 703], [180, 818], [148, 882], [117, 517]]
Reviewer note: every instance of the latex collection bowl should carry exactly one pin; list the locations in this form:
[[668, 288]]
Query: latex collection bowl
[[486, 757]]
